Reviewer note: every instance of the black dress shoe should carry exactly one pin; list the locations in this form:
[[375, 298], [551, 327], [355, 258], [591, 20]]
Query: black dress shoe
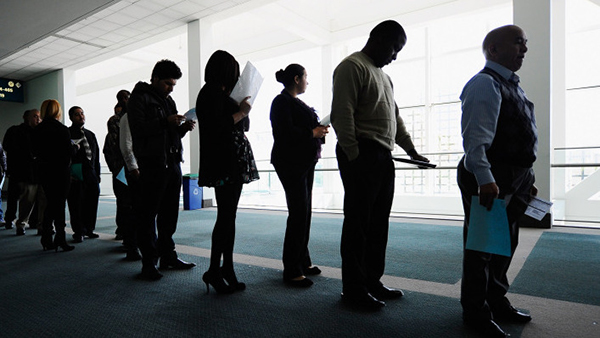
[[20, 231], [77, 238], [383, 292], [133, 255], [150, 273], [511, 314], [486, 327], [312, 271], [92, 235], [363, 300], [175, 263], [298, 283]]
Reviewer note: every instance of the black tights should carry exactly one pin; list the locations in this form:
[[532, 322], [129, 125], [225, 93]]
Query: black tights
[[223, 236]]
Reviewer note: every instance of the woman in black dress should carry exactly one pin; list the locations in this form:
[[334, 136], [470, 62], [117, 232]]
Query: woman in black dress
[[226, 162], [53, 150], [297, 136]]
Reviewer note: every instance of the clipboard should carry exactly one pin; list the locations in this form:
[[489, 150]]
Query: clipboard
[[425, 165]]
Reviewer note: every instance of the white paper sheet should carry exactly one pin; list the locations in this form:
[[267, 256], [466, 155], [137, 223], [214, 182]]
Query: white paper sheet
[[248, 84], [191, 115], [325, 121], [538, 208]]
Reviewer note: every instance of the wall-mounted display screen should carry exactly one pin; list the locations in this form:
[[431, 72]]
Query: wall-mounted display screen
[[11, 90]]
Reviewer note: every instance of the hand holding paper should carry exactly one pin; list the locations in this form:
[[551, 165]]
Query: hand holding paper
[[248, 84]]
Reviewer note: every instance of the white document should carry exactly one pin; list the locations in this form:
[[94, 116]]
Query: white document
[[325, 121], [538, 208], [248, 84]]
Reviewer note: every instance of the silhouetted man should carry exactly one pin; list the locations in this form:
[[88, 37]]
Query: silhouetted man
[[500, 143], [156, 131], [367, 123], [84, 191]]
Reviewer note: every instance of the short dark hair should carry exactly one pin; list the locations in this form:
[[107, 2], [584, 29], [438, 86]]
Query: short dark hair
[[72, 110], [122, 94], [222, 69], [388, 30], [287, 76], [166, 69], [28, 112]]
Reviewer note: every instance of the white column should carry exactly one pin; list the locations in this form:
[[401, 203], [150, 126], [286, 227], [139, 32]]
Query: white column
[[200, 47], [543, 77], [67, 91]]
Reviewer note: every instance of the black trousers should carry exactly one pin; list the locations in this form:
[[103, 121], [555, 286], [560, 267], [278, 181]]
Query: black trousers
[[83, 204], [369, 191], [125, 218], [156, 204], [223, 236], [12, 200], [484, 283], [56, 187], [297, 181]]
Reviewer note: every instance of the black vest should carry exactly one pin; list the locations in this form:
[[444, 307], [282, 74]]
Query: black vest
[[515, 142]]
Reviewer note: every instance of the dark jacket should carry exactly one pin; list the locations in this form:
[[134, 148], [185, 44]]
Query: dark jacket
[[112, 150], [293, 123], [218, 158], [18, 146], [90, 167], [53, 149], [155, 141]]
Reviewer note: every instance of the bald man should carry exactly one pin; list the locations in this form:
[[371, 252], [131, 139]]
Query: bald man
[[500, 144]]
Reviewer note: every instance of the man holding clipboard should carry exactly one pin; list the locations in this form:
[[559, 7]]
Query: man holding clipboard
[[500, 143]]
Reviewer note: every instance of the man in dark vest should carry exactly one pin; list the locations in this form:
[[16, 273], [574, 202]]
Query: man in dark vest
[[500, 143], [84, 192]]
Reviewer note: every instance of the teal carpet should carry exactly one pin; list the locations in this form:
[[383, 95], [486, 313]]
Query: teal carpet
[[562, 266], [410, 246]]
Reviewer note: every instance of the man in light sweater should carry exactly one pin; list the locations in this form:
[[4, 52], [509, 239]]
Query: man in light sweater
[[366, 120]]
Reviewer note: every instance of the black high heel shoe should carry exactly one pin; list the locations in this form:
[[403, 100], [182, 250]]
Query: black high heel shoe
[[231, 279], [61, 242], [214, 278], [47, 243]]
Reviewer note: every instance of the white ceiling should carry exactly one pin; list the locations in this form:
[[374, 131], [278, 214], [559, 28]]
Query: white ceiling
[[42, 36]]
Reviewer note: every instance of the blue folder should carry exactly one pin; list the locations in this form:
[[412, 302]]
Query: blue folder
[[121, 176], [488, 230]]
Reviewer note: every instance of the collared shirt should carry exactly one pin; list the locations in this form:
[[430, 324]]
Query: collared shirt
[[481, 99]]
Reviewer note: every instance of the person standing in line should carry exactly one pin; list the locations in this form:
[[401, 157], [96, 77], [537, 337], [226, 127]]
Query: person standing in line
[[297, 137], [84, 192], [29, 194], [132, 174], [226, 162], [500, 143], [367, 123], [156, 130], [53, 150], [115, 162]]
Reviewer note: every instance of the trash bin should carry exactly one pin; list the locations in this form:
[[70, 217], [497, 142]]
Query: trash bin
[[192, 193]]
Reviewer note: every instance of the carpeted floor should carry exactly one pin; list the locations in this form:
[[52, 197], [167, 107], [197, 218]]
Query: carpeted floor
[[93, 292], [567, 264]]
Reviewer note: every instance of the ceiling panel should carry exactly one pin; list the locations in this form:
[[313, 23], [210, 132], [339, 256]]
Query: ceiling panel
[[74, 33]]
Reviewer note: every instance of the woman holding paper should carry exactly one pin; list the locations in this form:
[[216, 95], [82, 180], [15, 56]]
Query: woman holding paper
[[226, 161], [298, 137]]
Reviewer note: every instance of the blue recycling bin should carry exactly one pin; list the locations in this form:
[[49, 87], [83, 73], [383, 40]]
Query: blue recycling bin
[[192, 193]]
